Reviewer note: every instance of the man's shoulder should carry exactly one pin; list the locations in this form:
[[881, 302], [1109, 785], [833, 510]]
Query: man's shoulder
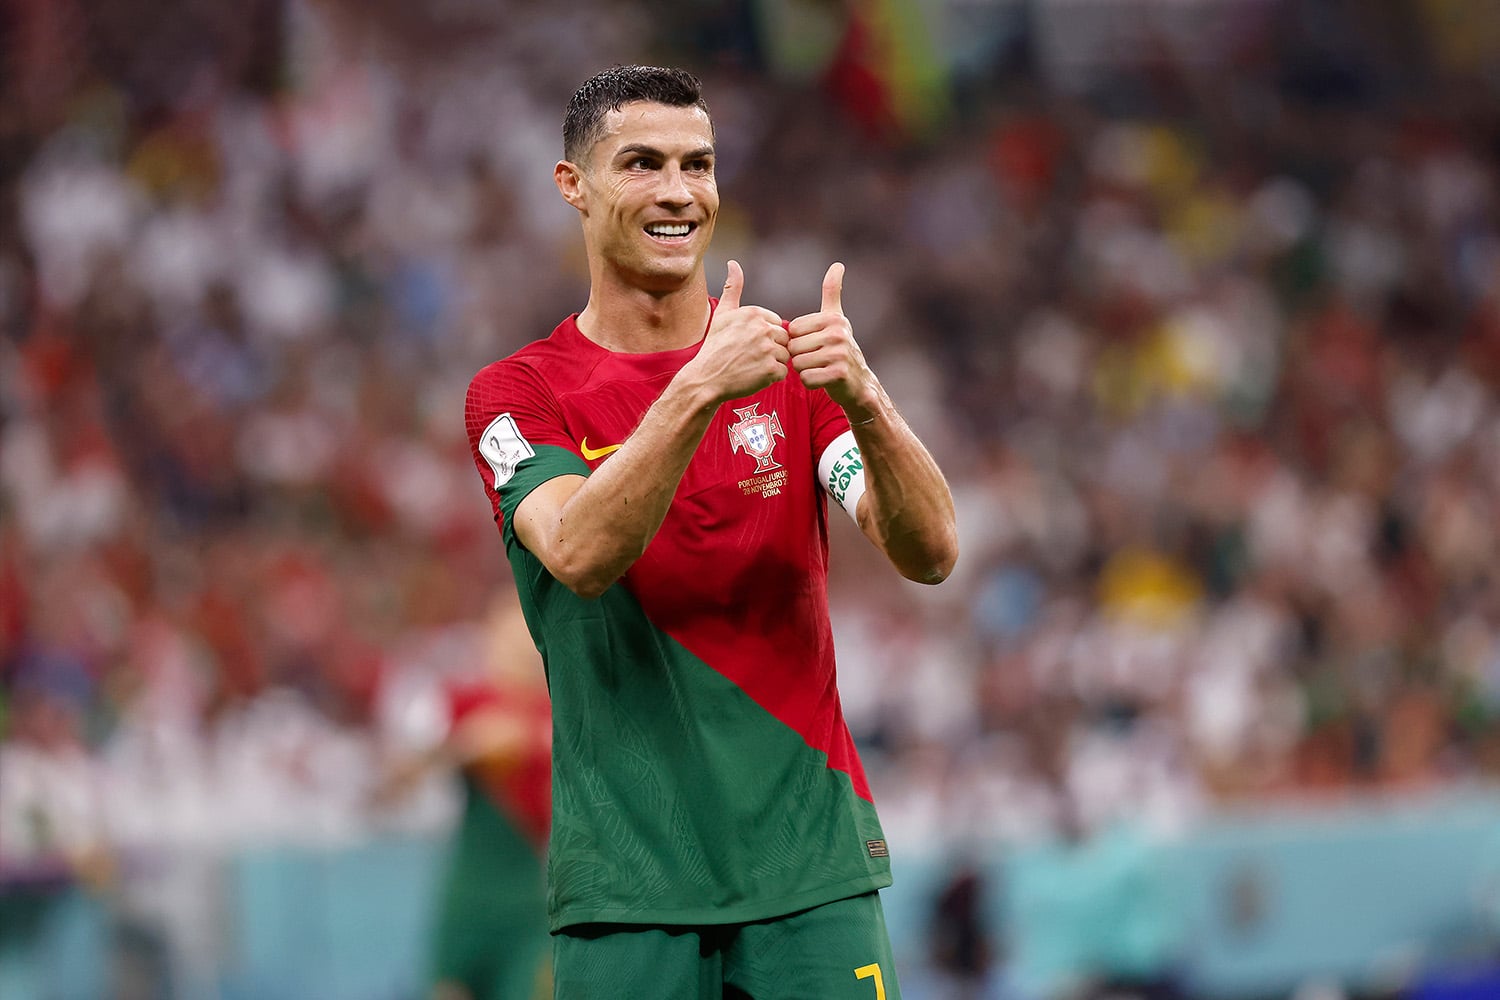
[[495, 379], [532, 358]]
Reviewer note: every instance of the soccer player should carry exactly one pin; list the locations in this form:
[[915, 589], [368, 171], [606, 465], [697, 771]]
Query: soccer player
[[490, 938], [660, 468], [490, 932]]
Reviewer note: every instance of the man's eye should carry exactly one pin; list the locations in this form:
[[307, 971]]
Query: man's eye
[[642, 163]]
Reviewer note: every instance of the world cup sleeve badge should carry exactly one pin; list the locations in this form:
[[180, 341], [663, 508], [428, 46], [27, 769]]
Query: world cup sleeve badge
[[756, 435]]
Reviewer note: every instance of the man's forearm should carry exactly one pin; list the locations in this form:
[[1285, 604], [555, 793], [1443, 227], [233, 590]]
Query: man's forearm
[[907, 508], [593, 536]]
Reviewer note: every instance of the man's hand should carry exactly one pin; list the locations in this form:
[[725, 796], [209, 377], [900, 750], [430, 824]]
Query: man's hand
[[825, 355], [907, 509], [589, 530], [746, 346]]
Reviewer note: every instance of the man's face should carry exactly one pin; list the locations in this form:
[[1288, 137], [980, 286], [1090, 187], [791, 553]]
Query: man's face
[[648, 194]]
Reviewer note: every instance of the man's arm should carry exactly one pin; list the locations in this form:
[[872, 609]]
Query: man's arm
[[907, 508], [588, 531]]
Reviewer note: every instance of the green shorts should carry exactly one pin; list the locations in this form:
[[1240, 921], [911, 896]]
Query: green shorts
[[837, 951]]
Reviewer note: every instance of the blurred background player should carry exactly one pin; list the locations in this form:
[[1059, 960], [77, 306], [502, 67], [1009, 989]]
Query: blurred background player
[[490, 940]]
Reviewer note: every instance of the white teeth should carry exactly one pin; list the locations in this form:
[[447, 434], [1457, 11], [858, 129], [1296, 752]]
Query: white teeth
[[668, 229]]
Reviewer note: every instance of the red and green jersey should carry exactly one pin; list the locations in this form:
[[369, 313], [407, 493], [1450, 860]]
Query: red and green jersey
[[702, 770]]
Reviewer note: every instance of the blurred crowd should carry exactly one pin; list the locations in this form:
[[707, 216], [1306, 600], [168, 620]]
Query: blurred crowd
[[1197, 304]]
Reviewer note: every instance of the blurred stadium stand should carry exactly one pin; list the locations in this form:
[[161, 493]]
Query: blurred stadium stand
[[1196, 301]]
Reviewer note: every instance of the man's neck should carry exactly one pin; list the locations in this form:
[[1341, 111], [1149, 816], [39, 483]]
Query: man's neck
[[632, 321]]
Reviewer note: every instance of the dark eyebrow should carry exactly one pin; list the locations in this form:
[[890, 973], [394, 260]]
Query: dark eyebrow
[[641, 149]]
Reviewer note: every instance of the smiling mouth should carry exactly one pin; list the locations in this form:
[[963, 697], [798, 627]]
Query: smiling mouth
[[670, 232]]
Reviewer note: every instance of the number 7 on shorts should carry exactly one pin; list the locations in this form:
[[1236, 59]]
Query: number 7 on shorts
[[869, 971]]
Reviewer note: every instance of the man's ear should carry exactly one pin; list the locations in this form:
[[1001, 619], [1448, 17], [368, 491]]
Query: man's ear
[[569, 179]]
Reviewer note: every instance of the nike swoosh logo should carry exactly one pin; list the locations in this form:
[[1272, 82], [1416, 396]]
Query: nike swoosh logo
[[593, 453]]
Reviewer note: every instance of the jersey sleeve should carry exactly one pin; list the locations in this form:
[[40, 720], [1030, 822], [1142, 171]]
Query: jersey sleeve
[[828, 420], [517, 437]]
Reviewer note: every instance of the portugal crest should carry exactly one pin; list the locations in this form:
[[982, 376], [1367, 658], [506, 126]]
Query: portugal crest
[[756, 433]]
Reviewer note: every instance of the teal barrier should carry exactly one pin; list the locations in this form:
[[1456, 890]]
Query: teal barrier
[[301, 924], [1068, 911], [1244, 907], [1361, 896], [53, 945], [346, 925], [1253, 905]]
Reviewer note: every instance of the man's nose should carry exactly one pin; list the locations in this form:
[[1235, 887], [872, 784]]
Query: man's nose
[[674, 190]]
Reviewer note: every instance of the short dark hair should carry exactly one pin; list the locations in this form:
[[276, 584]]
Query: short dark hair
[[583, 125]]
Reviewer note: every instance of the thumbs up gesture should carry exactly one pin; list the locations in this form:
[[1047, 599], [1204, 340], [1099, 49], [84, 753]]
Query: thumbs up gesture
[[745, 349], [824, 353], [734, 287]]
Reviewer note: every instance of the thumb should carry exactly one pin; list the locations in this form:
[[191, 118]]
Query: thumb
[[833, 289], [734, 284]]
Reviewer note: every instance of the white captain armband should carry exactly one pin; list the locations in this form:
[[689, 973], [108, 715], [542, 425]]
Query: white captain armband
[[841, 470]]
